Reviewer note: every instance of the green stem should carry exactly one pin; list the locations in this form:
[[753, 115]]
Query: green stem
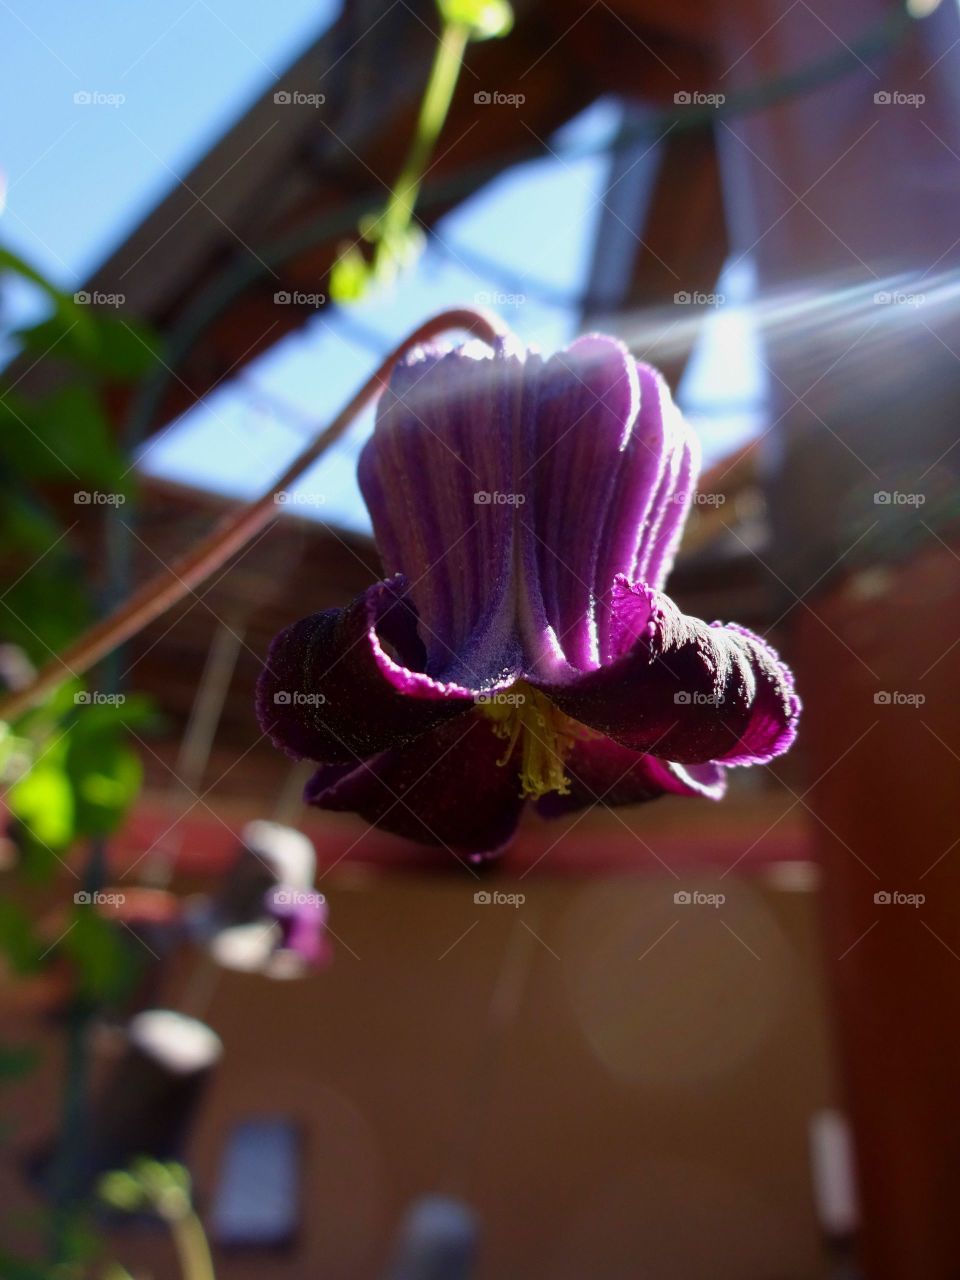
[[190, 1241], [437, 97]]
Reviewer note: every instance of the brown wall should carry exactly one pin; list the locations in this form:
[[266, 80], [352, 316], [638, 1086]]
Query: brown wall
[[619, 1085]]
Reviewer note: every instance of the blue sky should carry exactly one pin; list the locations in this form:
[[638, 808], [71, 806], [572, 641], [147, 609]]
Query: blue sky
[[80, 176]]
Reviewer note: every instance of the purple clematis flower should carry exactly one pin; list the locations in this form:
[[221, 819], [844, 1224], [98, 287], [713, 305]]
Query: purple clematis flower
[[521, 650], [302, 917]]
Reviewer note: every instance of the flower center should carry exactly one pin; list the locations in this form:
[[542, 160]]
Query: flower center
[[530, 723]]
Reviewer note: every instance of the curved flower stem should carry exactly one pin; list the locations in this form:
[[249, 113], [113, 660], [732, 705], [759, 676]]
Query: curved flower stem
[[234, 530]]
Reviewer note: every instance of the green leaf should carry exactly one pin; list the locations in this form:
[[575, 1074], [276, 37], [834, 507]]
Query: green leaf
[[349, 276], [107, 346], [46, 608], [43, 799], [17, 1061], [107, 967], [16, 753], [64, 437], [71, 320], [17, 940], [124, 711], [26, 522], [120, 1190], [61, 336], [103, 772], [10, 261], [14, 1268], [398, 249], [114, 1270], [74, 427], [126, 349]]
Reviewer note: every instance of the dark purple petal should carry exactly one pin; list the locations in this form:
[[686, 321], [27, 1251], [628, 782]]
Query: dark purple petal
[[603, 772], [331, 691], [511, 492], [683, 689], [445, 789], [530, 511]]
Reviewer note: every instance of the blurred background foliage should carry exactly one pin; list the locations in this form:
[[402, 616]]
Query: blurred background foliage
[[67, 767]]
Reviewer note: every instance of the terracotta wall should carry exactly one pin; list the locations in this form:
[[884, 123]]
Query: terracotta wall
[[619, 1084]]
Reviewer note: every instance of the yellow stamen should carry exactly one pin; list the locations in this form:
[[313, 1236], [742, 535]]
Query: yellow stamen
[[525, 717]]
